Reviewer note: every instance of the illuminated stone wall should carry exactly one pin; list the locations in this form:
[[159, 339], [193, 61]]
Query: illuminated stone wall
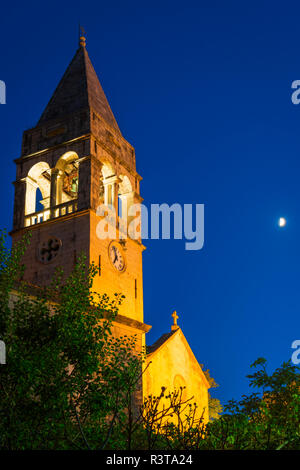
[[172, 364]]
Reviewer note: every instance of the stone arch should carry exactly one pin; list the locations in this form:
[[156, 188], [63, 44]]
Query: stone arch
[[39, 177], [107, 170], [66, 159], [125, 186]]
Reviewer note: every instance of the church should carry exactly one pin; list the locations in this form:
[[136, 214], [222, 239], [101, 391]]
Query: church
[[72, 161]]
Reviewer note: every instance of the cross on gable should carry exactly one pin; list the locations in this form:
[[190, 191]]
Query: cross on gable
[[175, 317]]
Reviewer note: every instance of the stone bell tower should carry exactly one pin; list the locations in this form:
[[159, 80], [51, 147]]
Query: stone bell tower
[[72, 161]]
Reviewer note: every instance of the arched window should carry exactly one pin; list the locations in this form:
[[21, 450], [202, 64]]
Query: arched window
[[37, 195], [108, 184]]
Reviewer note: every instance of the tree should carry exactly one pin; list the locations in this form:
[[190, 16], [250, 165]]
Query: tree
[[265, 420], [68, 383], [66, 379], [214, 405]]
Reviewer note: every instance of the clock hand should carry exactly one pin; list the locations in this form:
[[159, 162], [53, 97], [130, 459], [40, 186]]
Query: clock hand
[[116, 256]]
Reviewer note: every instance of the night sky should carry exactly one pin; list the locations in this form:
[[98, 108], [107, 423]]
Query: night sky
[[203, 93]]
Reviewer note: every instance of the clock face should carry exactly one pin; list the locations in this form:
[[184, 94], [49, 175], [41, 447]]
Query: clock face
[[116, 256]]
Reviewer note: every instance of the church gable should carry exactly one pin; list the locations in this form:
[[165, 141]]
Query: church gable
[[172, 364]]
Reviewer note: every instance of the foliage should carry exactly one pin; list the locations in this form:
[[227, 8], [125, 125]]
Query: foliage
[[215, 408], [65, 372], [266, 420], [69, 383]]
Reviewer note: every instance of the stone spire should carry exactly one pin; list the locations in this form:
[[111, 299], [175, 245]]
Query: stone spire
[[79, 89]]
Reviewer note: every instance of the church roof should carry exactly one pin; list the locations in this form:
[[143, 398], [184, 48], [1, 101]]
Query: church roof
[[158, 343], [78, 89]]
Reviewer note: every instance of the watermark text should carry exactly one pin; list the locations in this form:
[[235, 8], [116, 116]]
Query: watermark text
[[161, 221], [2, 92]]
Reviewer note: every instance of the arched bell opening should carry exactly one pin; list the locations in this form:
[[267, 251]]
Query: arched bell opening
[[37, 196], [108, 185], [65, 179]]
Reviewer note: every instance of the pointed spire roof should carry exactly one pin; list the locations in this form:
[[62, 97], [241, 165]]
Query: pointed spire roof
[[78, 89]]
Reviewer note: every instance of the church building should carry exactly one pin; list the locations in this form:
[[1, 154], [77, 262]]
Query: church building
[[72, 161]]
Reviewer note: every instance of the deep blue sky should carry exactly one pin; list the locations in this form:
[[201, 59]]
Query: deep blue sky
[[203, 93]]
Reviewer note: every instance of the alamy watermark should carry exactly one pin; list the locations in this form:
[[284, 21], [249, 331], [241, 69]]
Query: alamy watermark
[[180, 222], [2, 92], [296, 354], [295, 97], [2, 352]]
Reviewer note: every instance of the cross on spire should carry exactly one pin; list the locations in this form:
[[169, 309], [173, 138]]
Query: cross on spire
[[175, 318]]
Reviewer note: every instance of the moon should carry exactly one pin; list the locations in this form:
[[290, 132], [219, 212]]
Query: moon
[[282, 222]]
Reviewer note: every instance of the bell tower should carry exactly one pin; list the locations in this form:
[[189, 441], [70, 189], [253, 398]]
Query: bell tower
[[72, 161]]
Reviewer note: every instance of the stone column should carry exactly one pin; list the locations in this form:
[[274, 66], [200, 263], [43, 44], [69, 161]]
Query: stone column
[[30, 197], [96, 183], [111, 189], [53, 189], [19, 203], [84, 183], [59, 187]]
